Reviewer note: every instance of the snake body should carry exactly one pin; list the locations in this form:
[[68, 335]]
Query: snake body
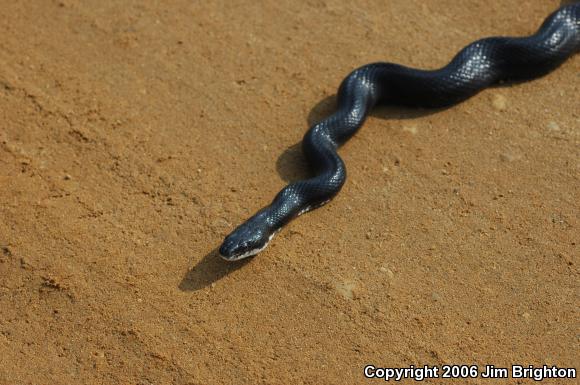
[[479, 65]]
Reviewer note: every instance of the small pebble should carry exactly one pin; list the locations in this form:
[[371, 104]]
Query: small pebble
[[346, 289], [380, 309], [388, 272], [553, 126], [509, 156], [527, 316], [410, 128], [499, 102]]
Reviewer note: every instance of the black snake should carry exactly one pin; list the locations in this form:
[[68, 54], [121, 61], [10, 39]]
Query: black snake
[[477, 66]]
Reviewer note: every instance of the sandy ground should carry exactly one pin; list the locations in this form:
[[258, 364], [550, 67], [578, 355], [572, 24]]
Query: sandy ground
[[135, 135]]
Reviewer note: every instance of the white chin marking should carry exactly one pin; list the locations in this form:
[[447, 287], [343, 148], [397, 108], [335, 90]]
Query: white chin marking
[[250, 252]]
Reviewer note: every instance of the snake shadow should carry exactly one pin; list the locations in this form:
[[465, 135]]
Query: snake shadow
[[292, 166], [211, 268]]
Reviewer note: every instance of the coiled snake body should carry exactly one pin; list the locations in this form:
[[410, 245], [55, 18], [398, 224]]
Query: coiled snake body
[[477, 66]]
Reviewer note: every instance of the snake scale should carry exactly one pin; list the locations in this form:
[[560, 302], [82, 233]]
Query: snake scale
[[479, 65]]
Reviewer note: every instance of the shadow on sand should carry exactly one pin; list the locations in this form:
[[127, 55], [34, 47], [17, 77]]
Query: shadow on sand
[[210, 269], [291, 165]]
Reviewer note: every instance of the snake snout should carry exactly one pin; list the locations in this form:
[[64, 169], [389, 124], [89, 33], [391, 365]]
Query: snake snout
[[228, 251], [243, 242]]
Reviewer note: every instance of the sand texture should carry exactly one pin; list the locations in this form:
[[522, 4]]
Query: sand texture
[[134, 135]]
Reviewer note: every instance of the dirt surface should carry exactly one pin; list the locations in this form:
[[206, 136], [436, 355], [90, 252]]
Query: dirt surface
[[135, 135]]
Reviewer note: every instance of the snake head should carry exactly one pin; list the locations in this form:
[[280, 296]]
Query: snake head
[[246, 240]]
